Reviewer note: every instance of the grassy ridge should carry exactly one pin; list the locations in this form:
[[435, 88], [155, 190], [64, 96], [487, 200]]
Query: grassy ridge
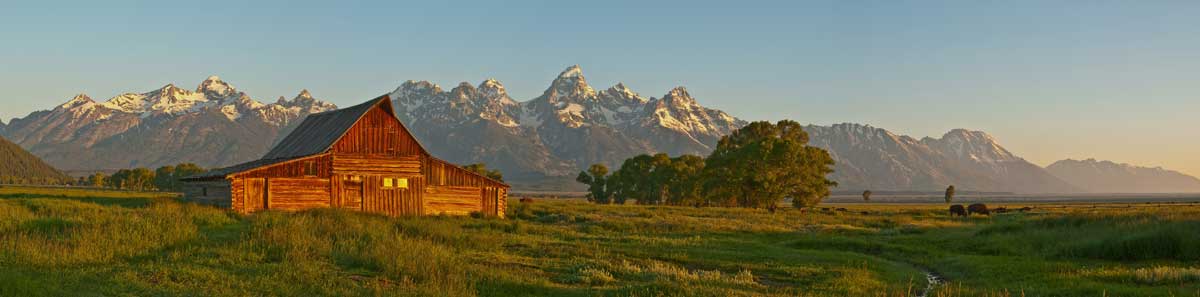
[[153, 246]]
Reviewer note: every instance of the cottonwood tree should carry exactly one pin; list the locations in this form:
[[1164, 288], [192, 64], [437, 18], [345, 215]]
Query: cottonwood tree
[[596, 177], [482, 169], [761, 164], [949, 194], [867, 196]]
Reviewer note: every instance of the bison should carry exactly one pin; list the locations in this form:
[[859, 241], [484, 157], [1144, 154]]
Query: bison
[[1025, 209], [978, 208], [526, 200], [958, 210], [1000, 210]]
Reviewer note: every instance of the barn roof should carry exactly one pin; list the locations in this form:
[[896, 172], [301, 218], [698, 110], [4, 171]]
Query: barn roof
[[222, 172], [319, 131]]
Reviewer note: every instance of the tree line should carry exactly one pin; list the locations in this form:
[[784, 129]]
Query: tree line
[[757, 166], [164, 178]]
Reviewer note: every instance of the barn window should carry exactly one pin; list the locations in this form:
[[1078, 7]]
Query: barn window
[[310, 168], [395, 183]]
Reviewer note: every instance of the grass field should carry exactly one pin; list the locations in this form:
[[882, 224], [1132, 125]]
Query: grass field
[[105, 244]]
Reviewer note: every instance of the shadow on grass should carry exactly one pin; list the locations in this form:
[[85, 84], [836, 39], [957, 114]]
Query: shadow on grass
[[106, 201]]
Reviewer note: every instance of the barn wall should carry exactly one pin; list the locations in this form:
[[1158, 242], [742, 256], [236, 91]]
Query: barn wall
[[394, 202], [237, 195], [377, 134], [455, 200], [489, 196], [359, 165], [298, 193], [216, 193]]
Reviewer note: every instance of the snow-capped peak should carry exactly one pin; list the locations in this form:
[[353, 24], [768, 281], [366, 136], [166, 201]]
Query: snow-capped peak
[[624, 93], [572, 72], [304, 94], [78, 100], [215, 87], [493, 90]]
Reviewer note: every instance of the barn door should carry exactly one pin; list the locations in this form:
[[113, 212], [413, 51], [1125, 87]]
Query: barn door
[[352, 192], [256, 194]]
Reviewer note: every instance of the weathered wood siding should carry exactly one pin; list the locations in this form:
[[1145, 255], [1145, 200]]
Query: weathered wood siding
[[377, 134], [359, 165], [214, 193], [452, 200], [394, 201], [298, 193]]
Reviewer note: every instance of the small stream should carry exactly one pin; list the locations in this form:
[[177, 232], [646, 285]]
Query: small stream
[[932, 281]]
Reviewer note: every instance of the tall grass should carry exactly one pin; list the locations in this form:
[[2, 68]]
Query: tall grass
[[57, 245]]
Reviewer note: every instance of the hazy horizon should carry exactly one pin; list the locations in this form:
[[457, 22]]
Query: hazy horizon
[[1050, 81]]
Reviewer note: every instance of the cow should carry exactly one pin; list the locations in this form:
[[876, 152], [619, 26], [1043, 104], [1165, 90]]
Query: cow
[[958, 210], [978, 208]]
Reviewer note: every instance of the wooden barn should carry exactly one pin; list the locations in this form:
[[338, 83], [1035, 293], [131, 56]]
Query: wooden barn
[[359, 158]]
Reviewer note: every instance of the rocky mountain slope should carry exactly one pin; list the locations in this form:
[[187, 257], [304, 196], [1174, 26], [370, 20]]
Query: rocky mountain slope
[[19, 166], [1111, 177], [873, 158], [567, 128], [214, 125]]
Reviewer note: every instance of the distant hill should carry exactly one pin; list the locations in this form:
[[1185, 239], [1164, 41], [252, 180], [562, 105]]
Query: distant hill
[[1110, 177], [21, 167]]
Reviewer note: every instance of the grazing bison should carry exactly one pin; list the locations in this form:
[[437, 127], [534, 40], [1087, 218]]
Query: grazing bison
[[1024, 209], [1000, 210], [526, 200], [958, 210], [978, 208]]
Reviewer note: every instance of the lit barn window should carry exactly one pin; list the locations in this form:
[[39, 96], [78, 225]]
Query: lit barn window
[[395, 183]]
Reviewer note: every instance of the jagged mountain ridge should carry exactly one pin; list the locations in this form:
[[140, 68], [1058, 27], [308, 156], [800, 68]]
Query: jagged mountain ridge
[[869, 158], [214, 125], [546, 139], [1111, 177], [570, 126]]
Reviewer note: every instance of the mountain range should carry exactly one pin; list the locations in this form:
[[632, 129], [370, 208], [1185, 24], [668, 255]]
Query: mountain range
[[214, 125], [1110, 177], [539, 143]]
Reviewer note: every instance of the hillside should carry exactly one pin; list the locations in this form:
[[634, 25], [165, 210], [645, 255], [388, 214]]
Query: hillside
[[18, 166], [1111, 177]]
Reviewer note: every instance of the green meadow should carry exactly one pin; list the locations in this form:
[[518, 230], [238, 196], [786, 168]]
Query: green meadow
[[56, 242]]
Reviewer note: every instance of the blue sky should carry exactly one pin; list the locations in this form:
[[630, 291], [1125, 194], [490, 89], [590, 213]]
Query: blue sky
[[1050, 79]]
